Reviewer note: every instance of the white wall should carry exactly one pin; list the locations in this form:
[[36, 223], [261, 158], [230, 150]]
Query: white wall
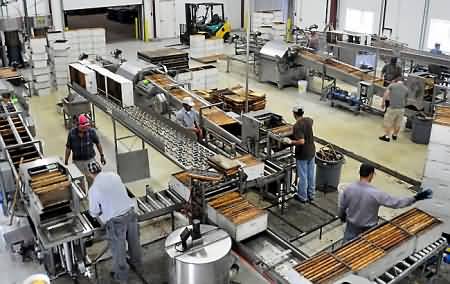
[[439, 9], [405, 20], [366, 5], [15, 9], [309, 12]]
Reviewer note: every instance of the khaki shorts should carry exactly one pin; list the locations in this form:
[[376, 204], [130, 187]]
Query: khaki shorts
[[83, 167], [393, 118]]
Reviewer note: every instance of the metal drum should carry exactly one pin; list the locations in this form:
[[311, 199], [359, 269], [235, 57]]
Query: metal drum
[[206, 261]]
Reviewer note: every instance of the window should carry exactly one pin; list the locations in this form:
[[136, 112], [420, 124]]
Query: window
[[439, 31], [359, 21]]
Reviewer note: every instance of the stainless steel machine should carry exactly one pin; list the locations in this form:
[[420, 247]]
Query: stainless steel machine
[[264, 131], [199, 254], [52, 197], [276, 63]]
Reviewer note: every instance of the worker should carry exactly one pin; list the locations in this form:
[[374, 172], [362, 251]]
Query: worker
[[187, 118], [391, 71], [80, 143], [110, 203], [314, 40], [395, 98], [305, 152], [360, 202], [437, 49]]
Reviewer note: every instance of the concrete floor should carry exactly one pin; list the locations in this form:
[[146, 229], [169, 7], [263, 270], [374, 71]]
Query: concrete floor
[[356, 133]]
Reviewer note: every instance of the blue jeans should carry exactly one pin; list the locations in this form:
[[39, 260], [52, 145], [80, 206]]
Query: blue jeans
[[307, 182]]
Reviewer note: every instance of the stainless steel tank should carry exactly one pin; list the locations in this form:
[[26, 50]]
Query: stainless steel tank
[[207, 261]]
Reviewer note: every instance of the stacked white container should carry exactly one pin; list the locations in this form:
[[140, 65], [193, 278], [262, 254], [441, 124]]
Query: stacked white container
[[198, 46], [59, 53], [211, 75], [200, 78], [270, 24], [202, 47], [88, 41], [40, 70]]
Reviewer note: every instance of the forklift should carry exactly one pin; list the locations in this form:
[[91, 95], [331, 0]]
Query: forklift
[[205, 18]]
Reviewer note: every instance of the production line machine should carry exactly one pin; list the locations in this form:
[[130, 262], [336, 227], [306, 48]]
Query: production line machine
[[214, 188], [47, 192]]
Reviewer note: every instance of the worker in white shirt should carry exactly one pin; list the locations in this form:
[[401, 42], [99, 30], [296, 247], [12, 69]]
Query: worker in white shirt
[[187, 118], [109, 201]]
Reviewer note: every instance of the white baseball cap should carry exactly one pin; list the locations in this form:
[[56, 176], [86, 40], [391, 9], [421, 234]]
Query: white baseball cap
[[296, 109], [188, 101]]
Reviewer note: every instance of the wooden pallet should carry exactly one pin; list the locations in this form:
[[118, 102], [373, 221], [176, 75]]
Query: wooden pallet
[[442, 115]]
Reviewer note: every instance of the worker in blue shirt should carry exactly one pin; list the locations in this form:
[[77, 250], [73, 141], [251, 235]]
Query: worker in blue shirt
[[437, 49], [359, 203], [110, 203]]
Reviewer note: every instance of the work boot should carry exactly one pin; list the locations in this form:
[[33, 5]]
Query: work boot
[[299, 199], [385, 138]]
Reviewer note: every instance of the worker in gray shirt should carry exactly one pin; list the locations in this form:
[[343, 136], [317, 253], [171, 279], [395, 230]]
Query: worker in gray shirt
[[395, 98], [359, 203], [110, 203]]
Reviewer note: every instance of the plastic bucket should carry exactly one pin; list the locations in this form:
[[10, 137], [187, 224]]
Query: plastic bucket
[[421, 130], [302, 87], [37, 278], [328, 174]]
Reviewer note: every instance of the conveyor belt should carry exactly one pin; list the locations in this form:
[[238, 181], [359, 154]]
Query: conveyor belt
[[366, 250], [171, 140]]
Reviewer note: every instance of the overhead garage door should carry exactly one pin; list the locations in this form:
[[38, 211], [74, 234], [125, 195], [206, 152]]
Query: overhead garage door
[[89, 4]]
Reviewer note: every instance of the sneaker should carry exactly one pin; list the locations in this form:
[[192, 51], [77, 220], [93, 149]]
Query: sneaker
[[394, 137], [384, 138]]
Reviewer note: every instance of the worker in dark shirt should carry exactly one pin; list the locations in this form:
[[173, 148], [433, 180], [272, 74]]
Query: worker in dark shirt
[[80, 143], [391, 71], [305, 152], [314, 40]]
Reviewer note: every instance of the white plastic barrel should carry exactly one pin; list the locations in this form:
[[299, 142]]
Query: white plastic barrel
[[302, 87], [37, 279]]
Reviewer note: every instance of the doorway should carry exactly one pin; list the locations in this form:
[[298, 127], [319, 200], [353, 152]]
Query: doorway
[[120, 23], [167, 20]]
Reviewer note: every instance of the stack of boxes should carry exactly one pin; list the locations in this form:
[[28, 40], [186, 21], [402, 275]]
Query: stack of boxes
[[40, 70], [199, 78], [88, 41], [271, 25], [58, 51], [200, 47]]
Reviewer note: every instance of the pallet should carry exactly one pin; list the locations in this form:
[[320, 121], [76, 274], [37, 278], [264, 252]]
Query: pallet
[[208, 59], [442, 116]]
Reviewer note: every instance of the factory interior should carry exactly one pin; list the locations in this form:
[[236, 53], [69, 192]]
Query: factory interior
[[225, 142]]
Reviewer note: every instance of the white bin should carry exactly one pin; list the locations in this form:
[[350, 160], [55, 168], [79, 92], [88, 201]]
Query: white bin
[[302, 87]]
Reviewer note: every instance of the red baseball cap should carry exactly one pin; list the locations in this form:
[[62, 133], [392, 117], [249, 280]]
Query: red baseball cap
[[83, 121]]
